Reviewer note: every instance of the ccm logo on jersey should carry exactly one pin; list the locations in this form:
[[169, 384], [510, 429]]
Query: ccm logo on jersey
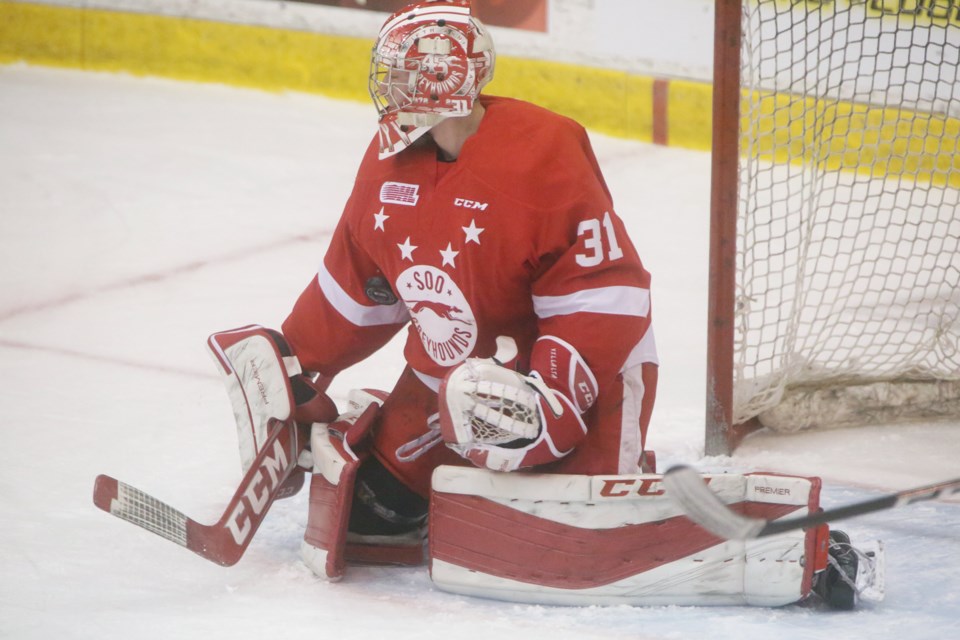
[[257, 494], [470, 204], [400, 193]]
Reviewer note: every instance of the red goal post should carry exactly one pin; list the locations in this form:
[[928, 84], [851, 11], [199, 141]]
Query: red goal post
[[835, 215]]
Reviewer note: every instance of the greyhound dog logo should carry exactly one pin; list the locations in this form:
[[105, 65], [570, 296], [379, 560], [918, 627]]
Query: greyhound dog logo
[[440, 312]]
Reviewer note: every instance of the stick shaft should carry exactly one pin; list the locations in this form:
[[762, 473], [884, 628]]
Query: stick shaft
[[902, 498], [686, 488]]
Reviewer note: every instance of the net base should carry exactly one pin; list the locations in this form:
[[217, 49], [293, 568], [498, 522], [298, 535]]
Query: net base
[[864, 404]]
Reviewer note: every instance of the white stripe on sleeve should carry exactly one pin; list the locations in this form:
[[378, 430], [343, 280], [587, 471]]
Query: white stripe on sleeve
[[359, 314], [620, 301]]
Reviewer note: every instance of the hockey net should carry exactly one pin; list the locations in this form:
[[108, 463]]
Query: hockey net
[[845, 301]]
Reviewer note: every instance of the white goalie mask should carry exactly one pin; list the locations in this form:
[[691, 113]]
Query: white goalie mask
[[430, 62]]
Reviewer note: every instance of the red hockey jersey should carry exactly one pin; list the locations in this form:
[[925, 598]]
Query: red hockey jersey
[[517, 237]]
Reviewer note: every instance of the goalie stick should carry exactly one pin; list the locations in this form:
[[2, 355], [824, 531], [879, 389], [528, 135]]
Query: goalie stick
[[688, 490], [227, 540]]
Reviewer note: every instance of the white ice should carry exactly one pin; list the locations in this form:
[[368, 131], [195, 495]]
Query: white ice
[[137, 216]]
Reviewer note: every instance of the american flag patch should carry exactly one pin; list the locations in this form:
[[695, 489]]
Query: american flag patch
[[399, 193]]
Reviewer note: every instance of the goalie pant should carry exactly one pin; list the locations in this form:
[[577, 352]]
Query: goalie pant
[[614, 441], [401, 418]]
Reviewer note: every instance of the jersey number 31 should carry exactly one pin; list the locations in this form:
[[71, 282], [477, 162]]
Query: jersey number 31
[[593, 243]]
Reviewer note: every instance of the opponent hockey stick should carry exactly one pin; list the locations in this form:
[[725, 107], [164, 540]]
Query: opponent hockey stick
[[225, 541], [687, 489]]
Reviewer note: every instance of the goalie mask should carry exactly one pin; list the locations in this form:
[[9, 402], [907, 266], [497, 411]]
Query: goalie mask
[[430, 62]]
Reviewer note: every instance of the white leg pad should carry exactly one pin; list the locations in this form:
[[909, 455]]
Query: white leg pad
[[585, 540], [335, 465]]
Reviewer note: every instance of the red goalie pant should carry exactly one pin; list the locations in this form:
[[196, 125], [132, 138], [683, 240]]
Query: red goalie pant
[[614, 444]]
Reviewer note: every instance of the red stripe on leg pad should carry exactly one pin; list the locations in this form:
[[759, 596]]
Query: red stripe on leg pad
[[482, 535]]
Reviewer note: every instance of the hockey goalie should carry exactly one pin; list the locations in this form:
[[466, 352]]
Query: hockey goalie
[[515, 435]]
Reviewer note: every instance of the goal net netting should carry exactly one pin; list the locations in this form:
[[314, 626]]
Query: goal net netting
[[847, 301]]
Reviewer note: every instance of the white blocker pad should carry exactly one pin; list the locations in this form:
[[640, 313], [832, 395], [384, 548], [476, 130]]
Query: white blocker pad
[[257, 379], [605, 540]]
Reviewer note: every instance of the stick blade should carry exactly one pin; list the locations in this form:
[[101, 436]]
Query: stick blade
[[225, 541], [104, 492], [215, 543], [133, 505], [688, 490]]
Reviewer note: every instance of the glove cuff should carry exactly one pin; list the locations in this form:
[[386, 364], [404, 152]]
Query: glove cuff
[[560, 367]]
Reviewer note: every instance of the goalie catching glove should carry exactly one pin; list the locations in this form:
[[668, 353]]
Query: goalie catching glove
[[503, 420]]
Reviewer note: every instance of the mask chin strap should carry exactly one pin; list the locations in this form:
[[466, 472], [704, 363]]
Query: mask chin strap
[[393, 139]]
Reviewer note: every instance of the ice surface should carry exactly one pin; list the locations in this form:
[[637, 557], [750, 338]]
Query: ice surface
[[137, 216]]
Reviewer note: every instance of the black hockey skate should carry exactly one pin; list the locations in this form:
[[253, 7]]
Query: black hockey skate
[[837, 584]]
